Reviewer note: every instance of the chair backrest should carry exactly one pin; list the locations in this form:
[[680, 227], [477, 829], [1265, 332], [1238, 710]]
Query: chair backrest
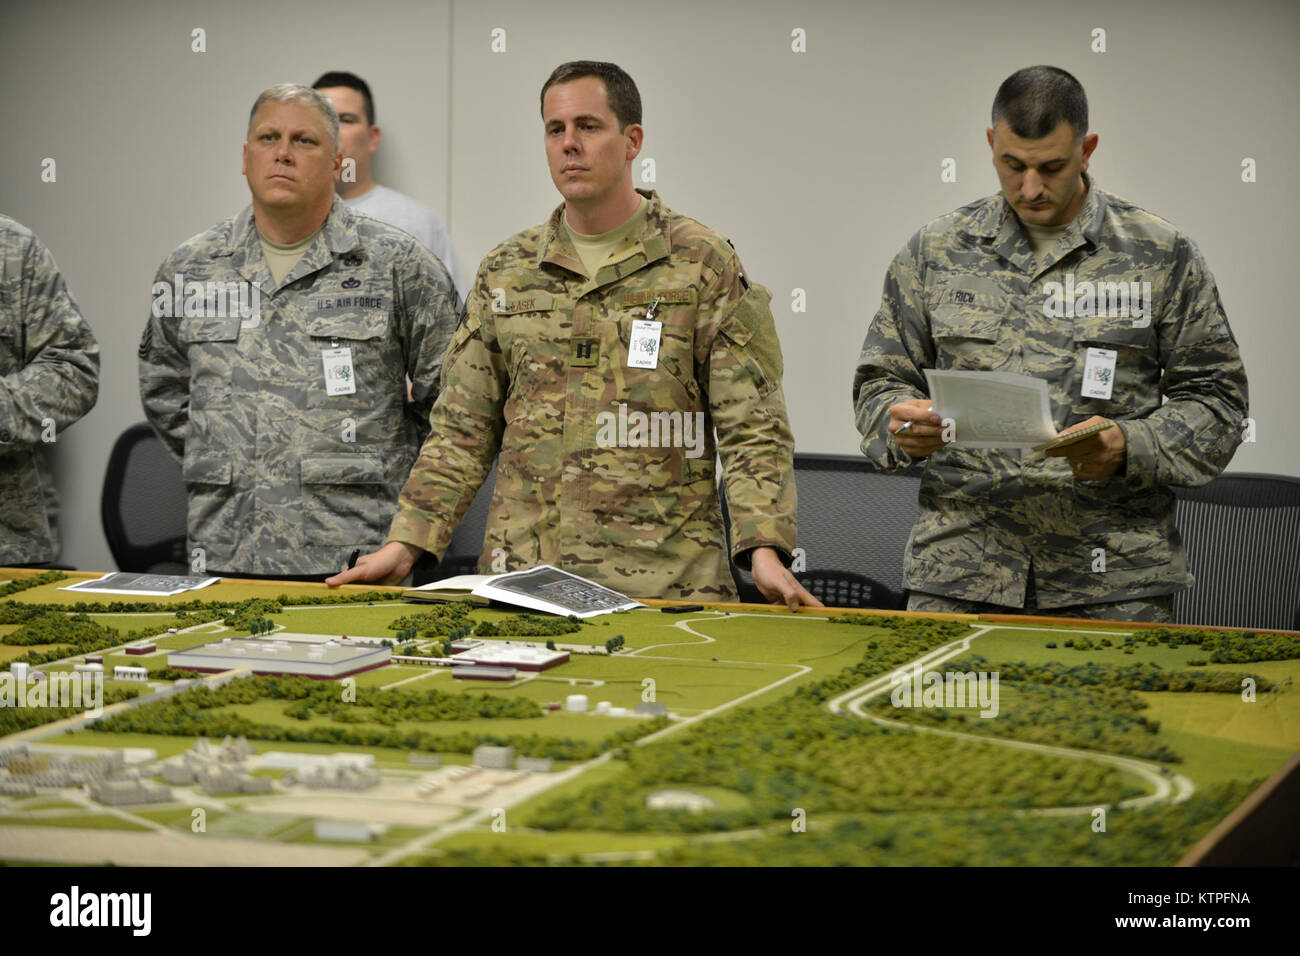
[[466, 545], [857, 519], [143, 506], [1242, 533], [854, 522]]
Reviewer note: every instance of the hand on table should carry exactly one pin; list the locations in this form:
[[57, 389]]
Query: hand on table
[[1097, 457], [922, 436], [389, 565], [778, 584]]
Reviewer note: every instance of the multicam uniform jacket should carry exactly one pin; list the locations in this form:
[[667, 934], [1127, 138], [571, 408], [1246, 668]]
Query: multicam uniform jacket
[[540, 369], [49, 378], [283, 477], [966, 293]]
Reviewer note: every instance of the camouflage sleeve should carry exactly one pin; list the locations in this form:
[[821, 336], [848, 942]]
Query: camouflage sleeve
[[897, 348], [748, 409], [1192, 436], [428, 309], [55, 376], [465, 432], [164, 368]]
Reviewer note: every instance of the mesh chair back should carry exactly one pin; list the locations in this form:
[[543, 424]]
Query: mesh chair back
[[845, 589], [854, 522], [1242, 533], [143, 506]]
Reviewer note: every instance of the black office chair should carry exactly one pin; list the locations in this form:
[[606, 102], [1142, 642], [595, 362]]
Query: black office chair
[[854, 522], [143, 505], [466, 545], [1242, 533]]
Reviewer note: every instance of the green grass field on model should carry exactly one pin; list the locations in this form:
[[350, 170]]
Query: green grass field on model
[[692, 663], [752, 651]]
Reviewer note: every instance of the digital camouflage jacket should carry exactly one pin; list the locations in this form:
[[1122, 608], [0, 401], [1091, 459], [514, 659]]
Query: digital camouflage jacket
[[283, 477], [49, 378], [966, 293]]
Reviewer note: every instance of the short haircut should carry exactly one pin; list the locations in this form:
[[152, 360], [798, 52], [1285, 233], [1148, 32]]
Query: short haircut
[[1036, 99], [621, 94], [352, 82], [295, 93]]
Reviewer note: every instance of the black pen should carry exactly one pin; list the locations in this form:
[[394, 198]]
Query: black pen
[[352, 561]]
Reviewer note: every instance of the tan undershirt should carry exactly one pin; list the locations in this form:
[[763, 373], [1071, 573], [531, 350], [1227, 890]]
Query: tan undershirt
[[1043, 239], [281, 259], [595, 251]]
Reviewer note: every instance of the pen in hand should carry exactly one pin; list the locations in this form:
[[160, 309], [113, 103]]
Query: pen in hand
[[352, 561]]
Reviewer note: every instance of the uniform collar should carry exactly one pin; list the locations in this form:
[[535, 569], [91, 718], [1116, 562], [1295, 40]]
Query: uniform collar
[[337, 237], [650, 242], [993, 219]]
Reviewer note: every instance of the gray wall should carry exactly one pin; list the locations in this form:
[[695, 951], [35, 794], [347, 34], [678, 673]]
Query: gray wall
[[817, 165]]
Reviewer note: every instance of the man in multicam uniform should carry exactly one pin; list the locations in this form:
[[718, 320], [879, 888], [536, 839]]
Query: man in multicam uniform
[[558, 358], [49, 378], [1028, 282], [274, 363]]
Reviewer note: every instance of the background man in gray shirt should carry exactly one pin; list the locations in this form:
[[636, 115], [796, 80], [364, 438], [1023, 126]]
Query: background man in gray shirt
[[358, 139]]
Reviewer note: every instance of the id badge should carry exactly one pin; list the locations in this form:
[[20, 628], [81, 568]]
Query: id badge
[[643, 350], [339, 376], [1099, 373]]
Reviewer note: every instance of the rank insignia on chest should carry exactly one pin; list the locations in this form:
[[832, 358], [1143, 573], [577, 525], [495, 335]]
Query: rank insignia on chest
[[584, 352]]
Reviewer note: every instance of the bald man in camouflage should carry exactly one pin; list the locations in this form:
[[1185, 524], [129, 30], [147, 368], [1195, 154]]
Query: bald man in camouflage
[[599, 353], [1116, 311]]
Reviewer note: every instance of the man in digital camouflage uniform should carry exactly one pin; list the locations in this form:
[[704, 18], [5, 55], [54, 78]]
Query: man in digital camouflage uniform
[[1029, 281], [616, 308], [49, 378], [274, 362]]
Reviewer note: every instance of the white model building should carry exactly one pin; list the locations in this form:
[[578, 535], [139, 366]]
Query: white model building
[[482, 672], [494, 758], [326, 660], [534, 764], [287, 760], [117, 793], [348, 831], [525, 657], [576, 703], [678, 800], [124, 672]]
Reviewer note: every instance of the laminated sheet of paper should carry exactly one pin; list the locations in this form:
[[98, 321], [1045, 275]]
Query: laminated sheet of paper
[[993, 409]]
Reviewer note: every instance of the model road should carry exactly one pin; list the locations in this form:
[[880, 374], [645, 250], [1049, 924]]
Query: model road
[[1167, 787]]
